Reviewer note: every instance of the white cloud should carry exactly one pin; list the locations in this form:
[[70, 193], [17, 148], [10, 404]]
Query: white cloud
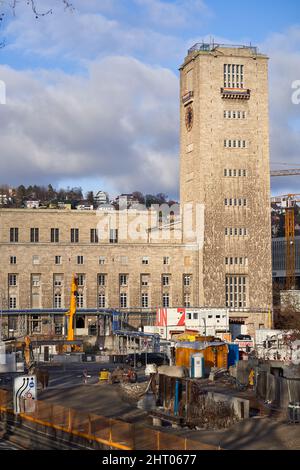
[[175, 14], [88, 34], [284, 52], [119, 123]]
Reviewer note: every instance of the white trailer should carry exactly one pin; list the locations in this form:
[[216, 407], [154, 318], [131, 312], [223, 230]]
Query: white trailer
[[206, 321]]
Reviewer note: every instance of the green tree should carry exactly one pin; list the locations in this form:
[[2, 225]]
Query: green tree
[[139, 197], [51, 193], [20, 194]]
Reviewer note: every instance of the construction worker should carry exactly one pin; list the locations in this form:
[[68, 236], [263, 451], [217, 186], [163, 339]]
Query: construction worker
[[85, 376], [251, 378]]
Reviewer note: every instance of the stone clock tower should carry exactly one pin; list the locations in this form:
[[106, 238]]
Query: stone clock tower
[[224, 155]]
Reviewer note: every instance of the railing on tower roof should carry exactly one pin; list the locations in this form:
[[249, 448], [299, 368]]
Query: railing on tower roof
[[209, 47]]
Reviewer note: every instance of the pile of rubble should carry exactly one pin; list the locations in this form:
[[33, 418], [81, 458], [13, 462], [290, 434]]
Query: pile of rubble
[[133, 392], [209, 414]]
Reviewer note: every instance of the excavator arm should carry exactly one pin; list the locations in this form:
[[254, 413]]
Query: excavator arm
[[72, 311]]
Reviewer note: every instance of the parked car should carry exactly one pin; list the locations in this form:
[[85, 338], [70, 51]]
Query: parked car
[[141, 359], [244, 338]]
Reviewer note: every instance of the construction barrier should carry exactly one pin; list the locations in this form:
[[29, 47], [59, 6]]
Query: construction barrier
[[111, 433]]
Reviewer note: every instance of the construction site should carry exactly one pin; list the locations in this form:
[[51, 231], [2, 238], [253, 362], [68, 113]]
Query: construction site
[[170, 389], [170, 336]]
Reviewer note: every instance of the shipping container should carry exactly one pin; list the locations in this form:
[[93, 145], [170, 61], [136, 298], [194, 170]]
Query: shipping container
[[215, 354]]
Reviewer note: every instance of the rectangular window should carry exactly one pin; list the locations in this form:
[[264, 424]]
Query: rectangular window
[[74, 235], [58, 260], [101, 301], [55, 235], [233, 76], [235, 202], [35, 280], [101, 279], [145, 302], [235, 143], [234, 231], [235, 172], [145, 280], [236, 292], [14, 235], [123, 300], [101, 260], [80, 259], [187, 280], [58, 280], [35, 323], [113, 235], [12, 280], [166, 300], [124, 260], [165, 279], [13, 260], [123, 280], [12, 302], [57, 301], [166, 260], [35, 259], [145, 260], [34, 235], [94, 235], [80, 300], [187, 300], [81, 280], [236, 261]]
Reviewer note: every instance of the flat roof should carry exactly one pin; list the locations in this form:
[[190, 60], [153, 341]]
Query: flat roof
[[209, 47]]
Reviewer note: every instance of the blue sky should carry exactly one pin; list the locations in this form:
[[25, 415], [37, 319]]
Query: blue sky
[[92, 96]]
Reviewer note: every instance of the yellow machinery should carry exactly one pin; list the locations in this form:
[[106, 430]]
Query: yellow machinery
[[72, 311], [70, 316], [290, 246], [28, 357], [288, 202]]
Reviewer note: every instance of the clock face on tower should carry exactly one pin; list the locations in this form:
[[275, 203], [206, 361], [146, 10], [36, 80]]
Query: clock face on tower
[[189, 117]]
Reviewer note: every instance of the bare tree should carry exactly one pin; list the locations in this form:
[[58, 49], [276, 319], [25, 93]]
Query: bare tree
[[287, 314], [8, 7], [12, 6]]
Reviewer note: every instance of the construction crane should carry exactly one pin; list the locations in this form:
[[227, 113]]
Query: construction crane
[[290, 172], [288, 202]]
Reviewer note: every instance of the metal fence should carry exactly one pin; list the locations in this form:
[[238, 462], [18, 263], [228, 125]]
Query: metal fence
[[111, 433]]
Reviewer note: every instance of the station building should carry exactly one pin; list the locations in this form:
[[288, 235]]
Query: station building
[[214, 252]]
